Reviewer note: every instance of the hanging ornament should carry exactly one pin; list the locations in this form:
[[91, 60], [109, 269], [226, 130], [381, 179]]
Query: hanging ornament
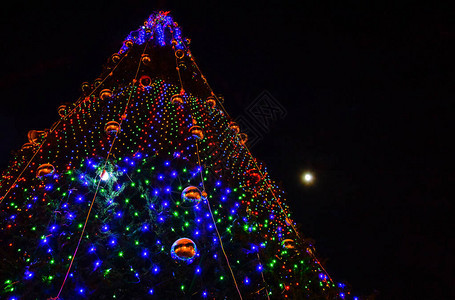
[[112, 127], [115, 58], [289, 244], [105, 94], [191, 196], [62, 110], [44, 170], [211, 102], [35, 135], [85, 87], [27, 146], [181, 64], [179, 53], [183, 249], [98, 81], [177, 99], [128, 43], [197, 132], [145, 81], [145, 58], [234, 127], [253, 176], [243, 138], [204, 194]]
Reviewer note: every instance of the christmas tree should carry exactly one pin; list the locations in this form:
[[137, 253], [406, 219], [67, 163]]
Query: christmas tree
[[145, 188]]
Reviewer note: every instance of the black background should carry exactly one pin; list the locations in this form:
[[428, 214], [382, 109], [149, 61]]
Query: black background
[[368, 90]]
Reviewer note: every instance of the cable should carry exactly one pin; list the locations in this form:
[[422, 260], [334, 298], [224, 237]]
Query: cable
[[216, 228], [77, 103], [99, 181]]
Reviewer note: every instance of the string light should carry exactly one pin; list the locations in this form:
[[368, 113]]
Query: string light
[[136, 176]]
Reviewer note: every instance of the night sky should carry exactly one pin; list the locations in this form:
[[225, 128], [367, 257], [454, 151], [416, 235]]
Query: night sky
[[368, 90]]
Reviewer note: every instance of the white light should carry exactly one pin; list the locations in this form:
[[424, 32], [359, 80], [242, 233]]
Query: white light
[[105, 175], [308, 178]]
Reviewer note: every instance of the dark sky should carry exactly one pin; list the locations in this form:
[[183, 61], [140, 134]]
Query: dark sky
[[368, 90]]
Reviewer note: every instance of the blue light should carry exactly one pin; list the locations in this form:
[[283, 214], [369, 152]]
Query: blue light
[[259, 268], [218, 183], [151, 291], [156, 270], [144, 253], [247, 280], [28, 275], [198, 270], [81, 291], [166, 163]]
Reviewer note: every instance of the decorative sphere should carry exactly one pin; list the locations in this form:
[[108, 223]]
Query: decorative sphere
[[211, 102], [177, 99], [289, 244], [62, 110], [179, 53], [145, 58], [112, 127], [197, 132], [45, 170], [234, 127], [115, 58], [145, 80], [85, 87], [183, 249], [27, 146], [98, 81], [253, 176], [128, 43], [191, 195], [35, 135], [243, 138], [105, 94]]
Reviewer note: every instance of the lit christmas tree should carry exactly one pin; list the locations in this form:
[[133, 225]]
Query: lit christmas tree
[[145, 188]]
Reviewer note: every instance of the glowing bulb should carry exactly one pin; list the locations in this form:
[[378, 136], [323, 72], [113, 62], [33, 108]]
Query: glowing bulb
[[307, 178], [105, 175]]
